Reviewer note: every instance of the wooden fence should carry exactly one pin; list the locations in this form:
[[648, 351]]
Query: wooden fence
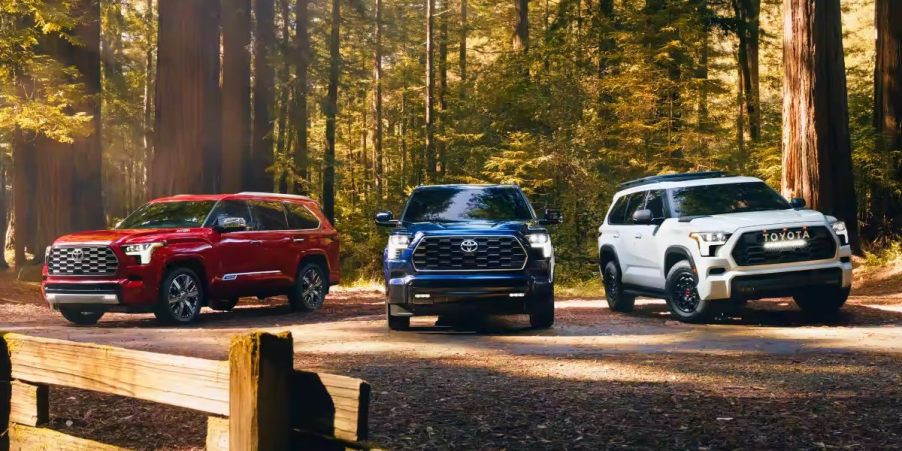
[[256, 400]]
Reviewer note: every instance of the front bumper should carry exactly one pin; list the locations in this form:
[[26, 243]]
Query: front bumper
[[427, 294], [134, 289], [785, 280]]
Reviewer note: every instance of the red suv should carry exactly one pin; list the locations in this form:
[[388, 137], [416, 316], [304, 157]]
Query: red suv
[[177, 254]]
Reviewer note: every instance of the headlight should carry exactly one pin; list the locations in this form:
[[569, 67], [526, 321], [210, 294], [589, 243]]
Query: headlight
[[839, 227], [143, 251], [397, 244], [541, 241], [709, 241], [47, 253]]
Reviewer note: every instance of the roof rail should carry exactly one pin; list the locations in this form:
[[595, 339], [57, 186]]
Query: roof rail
[[279, 195], [672, 178]]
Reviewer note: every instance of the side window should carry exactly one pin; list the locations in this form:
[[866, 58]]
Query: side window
[[655, 203], [270, 215], [231, 209], [616, 216], [301, 218], [636, 202]]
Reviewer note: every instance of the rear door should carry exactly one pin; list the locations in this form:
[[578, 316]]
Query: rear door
[[304, 230], [276, 258]]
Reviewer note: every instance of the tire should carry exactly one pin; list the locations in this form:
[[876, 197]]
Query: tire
[[822, 302], [310, 288], [181, 297], [223, 305], [80, 318], [618, 301], [396, 322], [682, 295], [541, 315]]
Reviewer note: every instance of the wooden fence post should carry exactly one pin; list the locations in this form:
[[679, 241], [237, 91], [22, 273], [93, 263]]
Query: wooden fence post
[[5, 393], [259, 402]]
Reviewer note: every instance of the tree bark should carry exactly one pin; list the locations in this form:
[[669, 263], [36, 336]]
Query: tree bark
[[236, 91], [886, 206], [302, 42], [4, 212], [262, 142], [331, 107], [23, 190], [462, 56], [430, 92], [187, 113], [521, 28], [747, 14], [817, 154], [442, 87], [149, 77], [377, 101]]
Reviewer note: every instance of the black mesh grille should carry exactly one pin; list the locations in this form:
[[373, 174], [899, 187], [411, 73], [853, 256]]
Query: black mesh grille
[[750, 251], [491, 253], [82, 261]]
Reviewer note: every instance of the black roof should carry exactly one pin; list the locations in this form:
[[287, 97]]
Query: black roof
[[672, 178]]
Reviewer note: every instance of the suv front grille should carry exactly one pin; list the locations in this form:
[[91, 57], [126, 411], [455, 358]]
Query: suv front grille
[[492, 253], [750, 250], [82, 261]]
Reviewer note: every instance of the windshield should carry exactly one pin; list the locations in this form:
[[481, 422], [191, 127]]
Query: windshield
[[729, 198], [165, 215], [461, 204]]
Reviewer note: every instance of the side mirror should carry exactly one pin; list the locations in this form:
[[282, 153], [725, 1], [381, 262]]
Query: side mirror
[[231, 224], [643, 216], [552, 217], [797, 203], [386, 219]]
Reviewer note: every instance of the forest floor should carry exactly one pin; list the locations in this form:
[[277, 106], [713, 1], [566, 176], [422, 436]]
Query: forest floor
[[763, 379]]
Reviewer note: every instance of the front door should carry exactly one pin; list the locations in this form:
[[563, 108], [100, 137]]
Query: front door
[[646, 259]]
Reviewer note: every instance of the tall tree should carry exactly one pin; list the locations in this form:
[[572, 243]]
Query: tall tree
[[817, 153], [462, 51], [302, 60], [149, 76], [377, 100], [430, 91], [187, 114], [4, 211], [886, 205], [236, 91], [748, 23], [264, 79], [331, 110], [521, 27], [442, 87]]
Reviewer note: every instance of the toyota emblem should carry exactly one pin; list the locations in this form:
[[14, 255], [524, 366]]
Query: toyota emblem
[[77, 255], [469, 246]]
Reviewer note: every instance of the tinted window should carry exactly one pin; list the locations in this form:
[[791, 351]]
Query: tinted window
[[727, 198], [270, 215], [464, 203], [655, 203], [300, 218], [163, 215], [231, 209], [637, 202], [616, 216]]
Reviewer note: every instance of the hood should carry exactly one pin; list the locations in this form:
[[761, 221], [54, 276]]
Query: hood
[[467, 228], [733, 221], [117, 236]]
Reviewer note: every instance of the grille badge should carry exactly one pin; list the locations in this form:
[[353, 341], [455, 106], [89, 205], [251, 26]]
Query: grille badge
[[469, 246], [77, 255]]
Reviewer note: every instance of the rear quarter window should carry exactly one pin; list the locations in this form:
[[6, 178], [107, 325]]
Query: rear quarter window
[[301, 218]]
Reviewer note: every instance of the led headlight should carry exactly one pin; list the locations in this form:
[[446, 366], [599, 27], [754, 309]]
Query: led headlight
[[839, 227], [541, 241], [143, 251], [396, 245], [47, 252], [707, 241]]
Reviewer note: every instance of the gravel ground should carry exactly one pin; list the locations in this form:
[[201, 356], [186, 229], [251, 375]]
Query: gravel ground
[[763, 379]]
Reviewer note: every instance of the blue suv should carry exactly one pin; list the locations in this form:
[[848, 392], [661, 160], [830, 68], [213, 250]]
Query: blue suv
[[468, 249]]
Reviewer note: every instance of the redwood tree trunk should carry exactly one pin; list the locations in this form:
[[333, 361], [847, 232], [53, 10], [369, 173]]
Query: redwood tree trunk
[[262, 144], [4, 212], [442, 87], [521, 29], [817, 154], [23, 190], [377, 102], [302, 42], [187, 105], [236, 91], [430, 92], [748, 23], [462, 57], [331, 107], [886, 206]]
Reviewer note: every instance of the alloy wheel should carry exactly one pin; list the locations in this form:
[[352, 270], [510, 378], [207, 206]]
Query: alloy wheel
[[312, 292], [611, 284], [685, 295], [184, 297]]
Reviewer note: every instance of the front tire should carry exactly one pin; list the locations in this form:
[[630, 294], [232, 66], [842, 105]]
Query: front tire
[[682, 294], [80, 318], [396, 322], [541, 315], [618, 301], [822, 302], [181, 297], [310, 288]]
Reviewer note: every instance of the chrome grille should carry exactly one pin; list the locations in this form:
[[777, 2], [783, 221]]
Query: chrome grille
[[492, 253], [82, 261], [750, 251]]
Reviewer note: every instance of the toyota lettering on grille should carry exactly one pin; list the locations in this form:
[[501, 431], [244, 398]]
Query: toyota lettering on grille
[[469, 246]]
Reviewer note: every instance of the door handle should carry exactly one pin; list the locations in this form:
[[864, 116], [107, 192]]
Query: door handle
[[639, 235], [256, 242], [616, 235], [298, 240]]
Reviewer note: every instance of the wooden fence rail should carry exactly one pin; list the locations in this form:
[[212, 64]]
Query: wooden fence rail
[[256, 400]]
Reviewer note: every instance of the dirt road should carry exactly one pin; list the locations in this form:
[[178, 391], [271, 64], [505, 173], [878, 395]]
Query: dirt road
[[766, 378]]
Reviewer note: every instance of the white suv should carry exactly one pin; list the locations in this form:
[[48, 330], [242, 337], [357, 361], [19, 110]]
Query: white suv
[[701, 239]]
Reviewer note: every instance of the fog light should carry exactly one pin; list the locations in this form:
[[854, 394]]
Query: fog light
[[518, 295], [422, 296]]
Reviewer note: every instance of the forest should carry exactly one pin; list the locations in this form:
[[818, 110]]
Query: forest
[[105, 104]]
